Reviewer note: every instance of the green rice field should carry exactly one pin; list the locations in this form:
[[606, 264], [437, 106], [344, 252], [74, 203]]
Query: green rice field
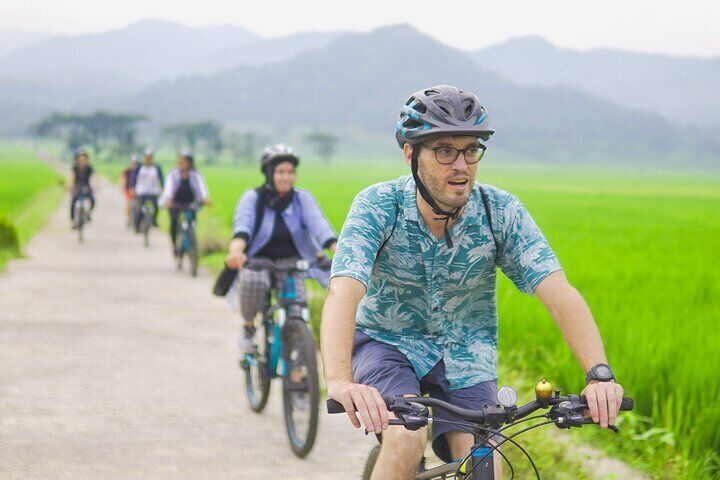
[[29, 192]]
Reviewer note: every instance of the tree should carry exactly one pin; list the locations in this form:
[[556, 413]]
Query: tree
[[244, 145], [323, 143], [196, 134], [100, 130]]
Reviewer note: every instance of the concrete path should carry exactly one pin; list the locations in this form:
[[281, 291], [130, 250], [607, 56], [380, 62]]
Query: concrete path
[[113, 365]]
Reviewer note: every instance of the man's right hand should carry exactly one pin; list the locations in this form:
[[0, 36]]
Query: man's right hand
[[366, 400]]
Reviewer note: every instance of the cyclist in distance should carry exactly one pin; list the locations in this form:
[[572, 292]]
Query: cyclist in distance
[[125, 182], [412, 307], [147, 184], [184, 185], [279, 222], [81, 181]]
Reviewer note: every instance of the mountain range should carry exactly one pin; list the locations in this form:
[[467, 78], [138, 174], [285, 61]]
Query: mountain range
[[355, 82], [681, 89]]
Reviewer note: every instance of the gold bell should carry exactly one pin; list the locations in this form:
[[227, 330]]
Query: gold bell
[[543, 390]]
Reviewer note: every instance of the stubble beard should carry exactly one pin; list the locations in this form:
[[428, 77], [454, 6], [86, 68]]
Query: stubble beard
[[436, 187]]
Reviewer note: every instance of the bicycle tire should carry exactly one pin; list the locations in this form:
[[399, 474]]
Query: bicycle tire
[[370, 462], [258, 394], [300, 354], [80, 218], [193, 252], [146, 230], [179, 253]]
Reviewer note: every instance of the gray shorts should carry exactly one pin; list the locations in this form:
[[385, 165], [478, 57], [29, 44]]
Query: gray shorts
[[384, 367]]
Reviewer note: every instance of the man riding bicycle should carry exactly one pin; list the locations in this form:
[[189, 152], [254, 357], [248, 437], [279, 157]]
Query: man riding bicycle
[[147, 184], [184, 186], [277, 222], [412, 301], [80, 182]]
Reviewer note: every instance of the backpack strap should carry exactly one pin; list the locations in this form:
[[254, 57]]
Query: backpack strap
[[486, 206], [392, 230], [259, 213]]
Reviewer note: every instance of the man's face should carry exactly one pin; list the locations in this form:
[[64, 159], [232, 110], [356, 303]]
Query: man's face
[[148, 160], [450, 185], [82, 160]]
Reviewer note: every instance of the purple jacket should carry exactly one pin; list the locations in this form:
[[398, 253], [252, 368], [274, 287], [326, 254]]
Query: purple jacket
[[309, 229]]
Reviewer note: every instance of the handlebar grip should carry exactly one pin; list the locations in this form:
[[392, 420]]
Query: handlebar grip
[[334, 406], [626, 405]]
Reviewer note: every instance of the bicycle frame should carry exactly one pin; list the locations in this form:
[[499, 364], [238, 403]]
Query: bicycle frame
[[274, 320], [187, 223]]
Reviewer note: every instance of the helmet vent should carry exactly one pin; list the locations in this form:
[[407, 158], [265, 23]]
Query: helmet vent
[[469, 106], [431, 92], [444, 106], [410, 100], [412, 123]]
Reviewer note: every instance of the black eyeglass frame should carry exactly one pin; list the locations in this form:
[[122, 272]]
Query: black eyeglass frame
[[481, 152]]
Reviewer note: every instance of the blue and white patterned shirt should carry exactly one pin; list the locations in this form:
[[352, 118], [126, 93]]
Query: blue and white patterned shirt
[[429, 301]]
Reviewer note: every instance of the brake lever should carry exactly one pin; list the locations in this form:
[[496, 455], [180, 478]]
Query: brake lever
[[613, 428]]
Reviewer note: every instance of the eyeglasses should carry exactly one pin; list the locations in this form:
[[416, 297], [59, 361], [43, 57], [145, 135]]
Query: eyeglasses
[[448, 155]]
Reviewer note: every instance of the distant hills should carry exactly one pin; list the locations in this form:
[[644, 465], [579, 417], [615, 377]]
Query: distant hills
[[359, 81], [13, 39], [120, 61], [354, 83], [681, 89]]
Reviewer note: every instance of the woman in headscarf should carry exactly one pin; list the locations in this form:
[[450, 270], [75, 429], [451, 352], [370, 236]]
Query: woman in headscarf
[[278, 222]]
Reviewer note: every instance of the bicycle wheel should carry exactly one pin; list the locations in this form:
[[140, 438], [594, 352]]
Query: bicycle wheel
[[193, 252], [257, 376], [301, 391], [146, 222], [370, 462], [179, 250], [80, 219]]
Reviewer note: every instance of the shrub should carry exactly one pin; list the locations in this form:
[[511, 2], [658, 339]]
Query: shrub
[[8, 236]]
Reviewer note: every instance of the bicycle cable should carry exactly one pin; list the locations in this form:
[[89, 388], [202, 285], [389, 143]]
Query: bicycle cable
[[527, 419], [496, 448], [510, 439]]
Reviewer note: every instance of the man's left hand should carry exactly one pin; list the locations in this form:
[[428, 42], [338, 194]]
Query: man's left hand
[[603, 399]]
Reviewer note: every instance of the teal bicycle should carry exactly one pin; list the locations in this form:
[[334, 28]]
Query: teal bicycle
[[285, 349], [186, 244]]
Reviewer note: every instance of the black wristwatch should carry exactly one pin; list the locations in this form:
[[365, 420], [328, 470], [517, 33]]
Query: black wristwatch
[[600, 373]]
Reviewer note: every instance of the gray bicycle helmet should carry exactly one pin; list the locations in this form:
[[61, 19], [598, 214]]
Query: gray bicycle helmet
[[81, 151], [279, 153], [441, 110]]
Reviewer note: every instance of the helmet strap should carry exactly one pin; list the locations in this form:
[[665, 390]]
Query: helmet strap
[[441, 214]]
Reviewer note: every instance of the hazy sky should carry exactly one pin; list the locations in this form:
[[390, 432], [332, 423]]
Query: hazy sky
[[689, 27]]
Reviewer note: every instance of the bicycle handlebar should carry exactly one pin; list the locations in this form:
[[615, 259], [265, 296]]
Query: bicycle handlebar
[[185, 205], [301, 265], [494, 416]]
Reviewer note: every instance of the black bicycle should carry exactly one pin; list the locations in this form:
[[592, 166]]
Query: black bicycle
[[186, 241], [565, 411], [285, 348]]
